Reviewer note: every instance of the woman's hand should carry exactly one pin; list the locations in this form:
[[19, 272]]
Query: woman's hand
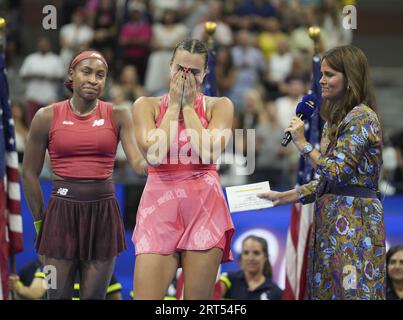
[[183, 89], [190, 90], [274, 196], [296, 128], [13, 282], [175, 90], [280, 198]]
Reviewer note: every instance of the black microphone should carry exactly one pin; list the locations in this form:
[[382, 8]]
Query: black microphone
[[304, 110]]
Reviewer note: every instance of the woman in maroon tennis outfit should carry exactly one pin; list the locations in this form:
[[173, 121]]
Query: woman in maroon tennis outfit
[[81, 229]]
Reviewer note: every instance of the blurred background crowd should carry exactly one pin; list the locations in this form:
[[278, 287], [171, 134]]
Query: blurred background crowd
[[263, 54]]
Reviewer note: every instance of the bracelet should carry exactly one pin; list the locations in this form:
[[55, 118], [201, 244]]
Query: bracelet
[[37, 225]]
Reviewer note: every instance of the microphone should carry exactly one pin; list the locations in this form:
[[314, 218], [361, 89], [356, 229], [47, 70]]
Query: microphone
[[304, 110]]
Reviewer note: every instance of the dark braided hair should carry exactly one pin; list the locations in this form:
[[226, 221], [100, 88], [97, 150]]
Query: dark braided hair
[[192, 46]]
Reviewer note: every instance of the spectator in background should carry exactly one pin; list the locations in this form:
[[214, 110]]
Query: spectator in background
[[273, 160], [300, 67], [288, 14], [75, 37], [21, 130], [234, 172], [135, 38], [157, 8], [270, 37], [397, 179], [279, 68], [254, 280], [166, 34], [122, 171], [223, 34], [129, 83], [69, 7], [295, 87], [250, 66], [253, 104], [14, 61], [225, 71], [330, 22], [251, 14], [194, 13], [299, 38], [103, 21], [394, 273], [43, 72]]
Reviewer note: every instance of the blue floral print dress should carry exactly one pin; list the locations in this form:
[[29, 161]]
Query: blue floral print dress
[[347, 246]]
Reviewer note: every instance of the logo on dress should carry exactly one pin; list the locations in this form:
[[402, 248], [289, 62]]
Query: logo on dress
[[68, 122], [99, 122], [62, 191]]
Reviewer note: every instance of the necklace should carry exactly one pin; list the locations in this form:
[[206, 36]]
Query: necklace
[[78, 112]]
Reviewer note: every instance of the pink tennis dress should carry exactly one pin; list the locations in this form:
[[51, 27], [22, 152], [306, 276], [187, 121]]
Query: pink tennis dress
[[183, 206]]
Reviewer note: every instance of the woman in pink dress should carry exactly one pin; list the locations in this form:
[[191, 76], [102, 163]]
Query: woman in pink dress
[[183, 219]]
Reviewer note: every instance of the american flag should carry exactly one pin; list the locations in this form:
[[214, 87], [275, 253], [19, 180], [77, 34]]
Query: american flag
[[302, 215], [11, 240]]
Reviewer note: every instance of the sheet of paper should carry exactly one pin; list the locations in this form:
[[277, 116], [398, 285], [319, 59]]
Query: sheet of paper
[[244, 197]]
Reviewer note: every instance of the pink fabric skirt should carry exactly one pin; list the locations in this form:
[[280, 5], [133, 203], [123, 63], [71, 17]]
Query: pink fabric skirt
[[182, 210]]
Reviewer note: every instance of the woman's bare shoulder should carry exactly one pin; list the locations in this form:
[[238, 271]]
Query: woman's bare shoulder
[[147, 101], [147, 104], [222, 102]]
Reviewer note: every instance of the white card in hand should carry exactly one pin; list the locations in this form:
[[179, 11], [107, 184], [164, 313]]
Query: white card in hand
[[244, 197]]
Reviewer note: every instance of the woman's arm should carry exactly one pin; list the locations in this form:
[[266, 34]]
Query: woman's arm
[[126, 132], [153, 142], [225, 284], [359, 131], [280, 198], [35, 291], [33, 160]]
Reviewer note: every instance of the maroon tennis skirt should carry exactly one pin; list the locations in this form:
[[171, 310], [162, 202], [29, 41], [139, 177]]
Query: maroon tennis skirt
[[82, 221]]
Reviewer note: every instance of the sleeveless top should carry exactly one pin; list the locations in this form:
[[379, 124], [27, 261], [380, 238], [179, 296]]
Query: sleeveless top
[[83, 147]]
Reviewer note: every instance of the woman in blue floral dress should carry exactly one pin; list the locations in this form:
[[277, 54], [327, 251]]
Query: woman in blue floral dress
[[347, 248]]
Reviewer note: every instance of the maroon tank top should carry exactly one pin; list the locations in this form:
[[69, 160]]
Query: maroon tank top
[[83, 147]]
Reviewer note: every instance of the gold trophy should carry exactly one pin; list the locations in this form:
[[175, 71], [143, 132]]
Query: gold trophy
[[314, 34], [210, 28], [3, 25]]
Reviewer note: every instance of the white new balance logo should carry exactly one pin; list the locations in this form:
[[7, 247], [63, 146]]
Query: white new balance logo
[[62, 191], [99, 122]]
